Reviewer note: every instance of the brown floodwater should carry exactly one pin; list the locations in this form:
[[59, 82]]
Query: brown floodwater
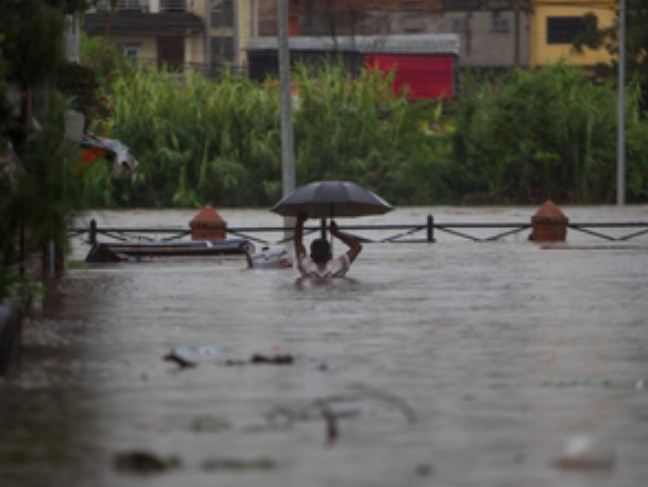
[[451, 364]]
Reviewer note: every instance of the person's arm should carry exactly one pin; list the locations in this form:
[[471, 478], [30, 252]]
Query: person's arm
[[355, 247], [300, 251]]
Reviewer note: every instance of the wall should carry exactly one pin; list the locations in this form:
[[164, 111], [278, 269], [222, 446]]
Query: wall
[[147, 46], [195, 51], [244, 32], [544, 53], [480, 44]]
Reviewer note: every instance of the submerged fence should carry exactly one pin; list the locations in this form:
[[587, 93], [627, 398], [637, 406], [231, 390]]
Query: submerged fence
[[424, 232]]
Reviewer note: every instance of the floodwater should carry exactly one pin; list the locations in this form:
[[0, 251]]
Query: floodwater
[[449, 364]]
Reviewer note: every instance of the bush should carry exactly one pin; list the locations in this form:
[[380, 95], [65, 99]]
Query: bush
[[517, 139]]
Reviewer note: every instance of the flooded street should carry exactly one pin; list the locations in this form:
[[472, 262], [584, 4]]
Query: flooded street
[[448, 364]]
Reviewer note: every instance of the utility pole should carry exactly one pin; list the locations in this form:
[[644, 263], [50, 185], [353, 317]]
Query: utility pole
[[516, 33], [621, 108], [207, 40], [287, 144]]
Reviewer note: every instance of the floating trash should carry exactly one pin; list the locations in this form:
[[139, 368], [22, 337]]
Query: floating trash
[[321, 366], [258, 359], [238, 464], [181, 361], [590, 382], [207, 351], [585, 382], [424, 470], [209, 424], [584, 452], [331, 409], [272, 359], [143, 462]]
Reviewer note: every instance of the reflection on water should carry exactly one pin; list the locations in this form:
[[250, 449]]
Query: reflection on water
[[455, 364]]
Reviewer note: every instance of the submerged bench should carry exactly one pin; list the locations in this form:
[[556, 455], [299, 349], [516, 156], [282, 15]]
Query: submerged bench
[[126, 251]]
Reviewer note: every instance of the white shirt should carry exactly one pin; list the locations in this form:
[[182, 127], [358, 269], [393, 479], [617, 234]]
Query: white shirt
[[336, 267]]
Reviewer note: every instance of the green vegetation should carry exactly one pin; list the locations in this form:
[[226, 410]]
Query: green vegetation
[[607, 38], [38, 186], [516, 139], [544, 134]]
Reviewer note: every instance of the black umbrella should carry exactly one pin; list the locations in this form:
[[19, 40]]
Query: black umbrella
[[331, 199]]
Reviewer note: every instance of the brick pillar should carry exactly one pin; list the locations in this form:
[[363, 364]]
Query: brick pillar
[[207, 225], [549, 224]]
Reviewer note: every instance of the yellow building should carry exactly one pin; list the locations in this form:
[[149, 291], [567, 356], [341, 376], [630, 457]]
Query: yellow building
[[555, 23]]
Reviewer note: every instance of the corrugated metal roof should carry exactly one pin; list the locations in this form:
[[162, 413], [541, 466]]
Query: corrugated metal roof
[[386, 44]]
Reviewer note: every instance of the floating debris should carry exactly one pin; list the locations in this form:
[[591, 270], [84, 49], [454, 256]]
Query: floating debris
[[235, 362], [209, 424], [638, 384], [272, 359], [584, 452], [238, 464], [202, 350], [424, 470], [321, 366], [258, 359], [143, 462], [585, 382], [328, 409], [178, 359]]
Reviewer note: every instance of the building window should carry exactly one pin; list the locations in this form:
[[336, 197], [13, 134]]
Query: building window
[[460, 24], [130, 50], [499, 23], [170, 51], [413, 23], [222, 49], [122, 5], [222, 14], [562, 30], [173, 6]]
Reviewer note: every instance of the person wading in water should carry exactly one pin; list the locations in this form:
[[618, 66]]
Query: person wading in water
[[321, 264]]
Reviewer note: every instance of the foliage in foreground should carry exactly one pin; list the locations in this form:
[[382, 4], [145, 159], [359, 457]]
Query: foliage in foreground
[[550, 133], [521, 138], [39, 189]]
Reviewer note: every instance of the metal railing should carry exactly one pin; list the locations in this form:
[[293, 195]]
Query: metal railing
[[145, 6], [123, 6], [401, 233]]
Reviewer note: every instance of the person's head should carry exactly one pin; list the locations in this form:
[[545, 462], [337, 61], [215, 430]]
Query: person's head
[[320, 251]]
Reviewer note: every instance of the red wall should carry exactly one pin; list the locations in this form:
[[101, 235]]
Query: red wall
[[429, 76]]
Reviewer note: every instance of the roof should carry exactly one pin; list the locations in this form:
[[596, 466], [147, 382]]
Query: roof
[[139, 23], [367, 5], [384, 44]]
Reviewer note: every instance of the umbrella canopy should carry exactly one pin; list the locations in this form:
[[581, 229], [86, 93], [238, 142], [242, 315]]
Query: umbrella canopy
[[329, 199]]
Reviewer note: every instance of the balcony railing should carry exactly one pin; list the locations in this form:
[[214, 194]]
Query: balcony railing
[[173, 5], [146, 6]]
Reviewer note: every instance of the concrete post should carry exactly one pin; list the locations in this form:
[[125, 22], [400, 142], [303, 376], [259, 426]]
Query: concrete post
[[549, 224]]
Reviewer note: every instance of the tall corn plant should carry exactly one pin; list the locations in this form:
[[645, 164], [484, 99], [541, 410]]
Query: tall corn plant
[[359, 129], [198, 141], [203, 141], [537, 135]]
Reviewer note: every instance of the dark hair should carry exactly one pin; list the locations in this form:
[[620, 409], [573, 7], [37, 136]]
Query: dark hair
[[320, 251]]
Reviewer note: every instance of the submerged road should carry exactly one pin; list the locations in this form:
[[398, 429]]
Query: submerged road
[[452, 364]]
